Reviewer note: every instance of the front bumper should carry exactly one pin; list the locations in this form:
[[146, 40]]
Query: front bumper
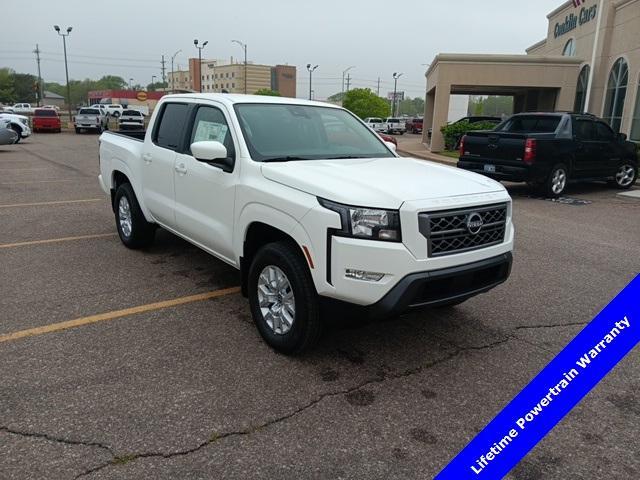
[[26, 132], [434, 288]]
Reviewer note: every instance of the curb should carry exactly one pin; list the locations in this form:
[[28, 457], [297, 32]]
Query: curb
[[430, 157]]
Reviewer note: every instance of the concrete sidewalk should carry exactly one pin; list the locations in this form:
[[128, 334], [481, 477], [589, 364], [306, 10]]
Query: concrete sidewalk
[[412, 146]]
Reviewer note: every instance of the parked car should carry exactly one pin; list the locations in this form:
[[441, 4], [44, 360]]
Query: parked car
[[20, 108], [46, 119], [548, 150], [376, 124], [19, 124], [388, 138], [414, 125], [8, 136], [309, 217], [114, 110], [102, 107], [395, 125], [89, 118], [131, 120]]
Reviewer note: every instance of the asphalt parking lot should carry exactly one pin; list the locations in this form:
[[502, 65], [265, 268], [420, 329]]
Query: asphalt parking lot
[[127, 364]]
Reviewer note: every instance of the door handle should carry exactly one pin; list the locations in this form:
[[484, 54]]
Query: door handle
[[181, 168], [148, 158]]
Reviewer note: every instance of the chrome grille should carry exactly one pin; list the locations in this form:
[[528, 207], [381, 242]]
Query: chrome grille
[[457, 231]]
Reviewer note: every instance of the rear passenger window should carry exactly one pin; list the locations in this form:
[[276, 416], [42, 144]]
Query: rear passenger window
[[603, 132], [585, 130], [172, 120]]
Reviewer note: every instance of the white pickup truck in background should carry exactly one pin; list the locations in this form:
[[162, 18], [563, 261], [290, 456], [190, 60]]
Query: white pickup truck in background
[[311, 207], [395, 125], [376, 124]]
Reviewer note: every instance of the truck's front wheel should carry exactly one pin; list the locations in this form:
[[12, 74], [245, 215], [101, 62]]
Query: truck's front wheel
[[283, 299], [134, 230]]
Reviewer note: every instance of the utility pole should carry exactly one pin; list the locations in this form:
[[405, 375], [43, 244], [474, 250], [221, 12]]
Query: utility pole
[[40, 93], [311, 70], [173, 75], [348, 82], [378, 86], [163, 71], [396, 76], [343, 74], [66, 67], [244, 47]]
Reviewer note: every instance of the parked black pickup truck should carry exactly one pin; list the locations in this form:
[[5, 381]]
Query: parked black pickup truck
[[547, 150]]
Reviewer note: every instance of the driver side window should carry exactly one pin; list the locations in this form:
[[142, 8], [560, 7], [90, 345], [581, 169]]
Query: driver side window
[[210, 125]]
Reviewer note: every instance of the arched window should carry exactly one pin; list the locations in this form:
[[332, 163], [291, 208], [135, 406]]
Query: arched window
[[635, 126], [581, 89], [569, 49], [616, 94]]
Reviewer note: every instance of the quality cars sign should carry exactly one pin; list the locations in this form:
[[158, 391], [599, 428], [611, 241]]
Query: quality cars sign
[[572, 21]]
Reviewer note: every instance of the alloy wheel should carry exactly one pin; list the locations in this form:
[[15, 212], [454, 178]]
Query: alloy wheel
[[124, 216], [276, 300], [625, 175], [558, 181]]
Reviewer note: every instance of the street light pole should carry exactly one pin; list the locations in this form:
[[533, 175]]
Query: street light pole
[[153, 81], [200, 47], [66, 67], [343, 74], [396, 76], [311, 70], [130, 84], [244, 47], [173, 78]]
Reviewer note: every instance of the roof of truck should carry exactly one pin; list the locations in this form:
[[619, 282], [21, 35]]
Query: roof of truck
[[235, 98]]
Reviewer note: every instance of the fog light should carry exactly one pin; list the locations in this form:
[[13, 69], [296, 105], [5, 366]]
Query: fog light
[[364, 276]]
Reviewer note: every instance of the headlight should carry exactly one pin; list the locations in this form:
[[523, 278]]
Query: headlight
[[369, 223]]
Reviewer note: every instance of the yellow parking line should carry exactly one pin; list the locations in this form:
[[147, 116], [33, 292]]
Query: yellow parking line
[[79, 322], [62, 202], [37, 181], [55, 240]]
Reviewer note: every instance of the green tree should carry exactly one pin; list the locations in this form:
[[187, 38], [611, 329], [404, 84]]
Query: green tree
[[267, 92], [494, 105], [152, 87], [337, 98], [7, 90], [25, 87], [411, 106], [365, 103]]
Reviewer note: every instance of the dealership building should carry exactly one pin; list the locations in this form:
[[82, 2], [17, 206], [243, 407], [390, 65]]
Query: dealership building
[[589, 62]]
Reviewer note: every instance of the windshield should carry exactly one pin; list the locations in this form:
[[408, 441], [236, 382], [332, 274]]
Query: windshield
[[45, 113], [89, 111], [530, 124], [131, 113], [280, 132]]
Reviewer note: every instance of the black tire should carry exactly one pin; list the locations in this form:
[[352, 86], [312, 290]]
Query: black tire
[[140, 234], [116, 114], [306, 326], [621, 179], [77, 130], [18, 131], [555, 186]]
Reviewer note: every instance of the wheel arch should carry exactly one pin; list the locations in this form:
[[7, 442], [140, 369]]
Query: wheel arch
[[120, 174]]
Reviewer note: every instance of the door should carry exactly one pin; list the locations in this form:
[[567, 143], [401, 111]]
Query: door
[[609, 150], [205, 194], [586, 148], [158, 160]]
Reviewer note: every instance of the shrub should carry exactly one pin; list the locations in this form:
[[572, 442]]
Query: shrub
[[454, 131]]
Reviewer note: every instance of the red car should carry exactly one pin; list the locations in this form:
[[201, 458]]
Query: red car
[[414, 125], [388, 138], [46, 119]]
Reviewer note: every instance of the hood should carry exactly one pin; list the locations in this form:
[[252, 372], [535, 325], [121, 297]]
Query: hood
[[15, 117], [378, 182]]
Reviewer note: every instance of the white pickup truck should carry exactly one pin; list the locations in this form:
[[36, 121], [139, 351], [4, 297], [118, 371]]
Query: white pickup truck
[[312, 208]]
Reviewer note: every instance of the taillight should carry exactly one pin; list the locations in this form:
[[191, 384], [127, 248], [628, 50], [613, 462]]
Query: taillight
[[530, 147], [462, 140]]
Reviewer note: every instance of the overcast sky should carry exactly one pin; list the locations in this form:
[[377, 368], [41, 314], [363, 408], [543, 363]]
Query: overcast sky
[[378, 37]]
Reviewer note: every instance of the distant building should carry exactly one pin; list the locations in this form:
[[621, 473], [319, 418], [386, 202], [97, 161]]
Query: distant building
[[216, 76], [50, 98]]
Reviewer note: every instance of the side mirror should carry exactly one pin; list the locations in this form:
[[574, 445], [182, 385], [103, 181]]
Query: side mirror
[[212, 152], [391, 145]]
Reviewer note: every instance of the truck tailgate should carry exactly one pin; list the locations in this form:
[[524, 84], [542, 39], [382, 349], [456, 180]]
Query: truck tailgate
[[493, 147]]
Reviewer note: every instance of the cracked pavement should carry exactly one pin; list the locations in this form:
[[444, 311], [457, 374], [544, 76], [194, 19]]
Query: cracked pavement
[[192, 392]]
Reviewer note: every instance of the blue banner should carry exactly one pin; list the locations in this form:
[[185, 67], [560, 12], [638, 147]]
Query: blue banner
[[553, 393]]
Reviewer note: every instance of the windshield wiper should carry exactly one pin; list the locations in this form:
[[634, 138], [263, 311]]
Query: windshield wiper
[[288, 158], [346, 157]]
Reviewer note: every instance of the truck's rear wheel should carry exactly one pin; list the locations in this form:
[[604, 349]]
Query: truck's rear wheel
[[283, 299], [134, 230], [556, 182]]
